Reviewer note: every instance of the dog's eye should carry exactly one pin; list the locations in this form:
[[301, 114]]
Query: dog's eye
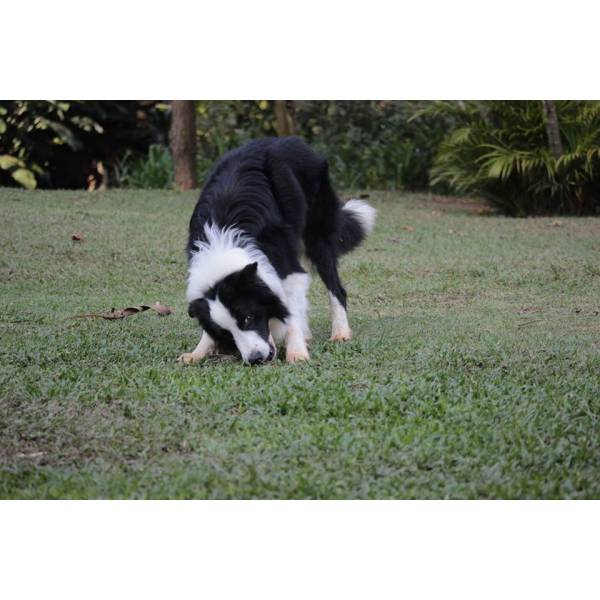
[[248, 320]]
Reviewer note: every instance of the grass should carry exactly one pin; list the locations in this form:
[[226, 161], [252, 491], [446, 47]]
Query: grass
[[474, 371]]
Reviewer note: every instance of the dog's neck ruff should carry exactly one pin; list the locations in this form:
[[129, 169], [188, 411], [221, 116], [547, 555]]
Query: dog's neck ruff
[[221, 253]]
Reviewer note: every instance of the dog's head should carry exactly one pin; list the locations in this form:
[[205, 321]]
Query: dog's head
[[236, 311]]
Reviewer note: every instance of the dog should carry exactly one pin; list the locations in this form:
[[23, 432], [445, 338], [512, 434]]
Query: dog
[[262, 206]]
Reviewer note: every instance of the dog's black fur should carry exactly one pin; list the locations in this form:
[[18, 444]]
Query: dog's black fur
[[278, 192]]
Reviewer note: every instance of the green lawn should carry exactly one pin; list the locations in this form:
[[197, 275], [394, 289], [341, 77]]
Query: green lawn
[[474, 372]]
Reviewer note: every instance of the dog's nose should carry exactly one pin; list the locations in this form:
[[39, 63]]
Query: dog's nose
[[255, 358]]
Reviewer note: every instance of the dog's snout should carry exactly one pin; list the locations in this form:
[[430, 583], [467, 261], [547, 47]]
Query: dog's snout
[[255, 358]]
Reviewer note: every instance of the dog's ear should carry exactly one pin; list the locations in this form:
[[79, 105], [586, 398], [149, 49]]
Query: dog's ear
[[198, 308], [248, 273]]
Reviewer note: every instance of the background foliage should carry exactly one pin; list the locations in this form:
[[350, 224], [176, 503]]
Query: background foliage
[[369, 144], [496, 150], [373, 144], [55, 144], [499, 150]]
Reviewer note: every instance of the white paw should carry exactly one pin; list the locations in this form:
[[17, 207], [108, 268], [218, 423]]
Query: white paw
[[341, 335], [293, 356], [189, 358]]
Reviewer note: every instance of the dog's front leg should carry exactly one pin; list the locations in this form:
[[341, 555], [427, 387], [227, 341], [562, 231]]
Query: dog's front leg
[[295, 342], [296, 289], [205, 348]]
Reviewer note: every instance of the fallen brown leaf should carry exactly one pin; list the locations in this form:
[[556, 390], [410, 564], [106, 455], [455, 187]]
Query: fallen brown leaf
[[408, 228], [161, 309], [78, 237], [120, 313], [530, 309]]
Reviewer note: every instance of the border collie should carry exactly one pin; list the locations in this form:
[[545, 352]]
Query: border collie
[[263, 204]]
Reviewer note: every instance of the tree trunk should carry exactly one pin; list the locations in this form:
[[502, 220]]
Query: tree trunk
[[284, 115], [552, 128], [183, 143]]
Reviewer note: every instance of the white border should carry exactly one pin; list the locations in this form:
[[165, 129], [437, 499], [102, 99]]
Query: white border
[[317, 49], [299, 549]]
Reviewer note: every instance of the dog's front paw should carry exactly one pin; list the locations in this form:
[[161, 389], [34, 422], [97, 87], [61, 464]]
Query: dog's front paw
[[293, 356], [341, 335], [189, 358]]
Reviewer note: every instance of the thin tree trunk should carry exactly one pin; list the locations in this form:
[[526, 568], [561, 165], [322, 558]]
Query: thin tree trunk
[[183, 143], [552, 128], [284, 116]]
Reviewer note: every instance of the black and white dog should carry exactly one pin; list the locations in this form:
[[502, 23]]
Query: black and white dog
[[262, 203]]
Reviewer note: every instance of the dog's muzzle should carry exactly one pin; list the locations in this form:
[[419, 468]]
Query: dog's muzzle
[[256, 358]]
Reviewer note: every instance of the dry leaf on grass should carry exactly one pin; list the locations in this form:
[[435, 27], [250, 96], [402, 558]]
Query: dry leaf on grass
[[408, 228], [120, 313], [161, 309], [78, 237], [530, 309]]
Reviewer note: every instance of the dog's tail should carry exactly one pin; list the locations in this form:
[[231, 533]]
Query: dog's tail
[[357, 221]]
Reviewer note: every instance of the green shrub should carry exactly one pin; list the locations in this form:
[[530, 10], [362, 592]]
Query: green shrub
[[369, 144], [154, 171], [373, 144], [60, 144], [499, 150]]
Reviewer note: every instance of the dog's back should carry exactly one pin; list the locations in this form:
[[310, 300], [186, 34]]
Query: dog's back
[[277, 183]]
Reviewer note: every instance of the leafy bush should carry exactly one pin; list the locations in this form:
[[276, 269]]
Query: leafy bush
[[369, 144], [58, 144], [32, 133], [154, 171], [373, 144], [499, 150]]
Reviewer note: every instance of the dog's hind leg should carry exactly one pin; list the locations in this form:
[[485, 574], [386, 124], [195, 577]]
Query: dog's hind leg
[[205, 348], [325, 261], [340, 329], [324, 241]]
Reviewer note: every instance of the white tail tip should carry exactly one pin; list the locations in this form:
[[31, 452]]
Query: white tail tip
[[365, 213]]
